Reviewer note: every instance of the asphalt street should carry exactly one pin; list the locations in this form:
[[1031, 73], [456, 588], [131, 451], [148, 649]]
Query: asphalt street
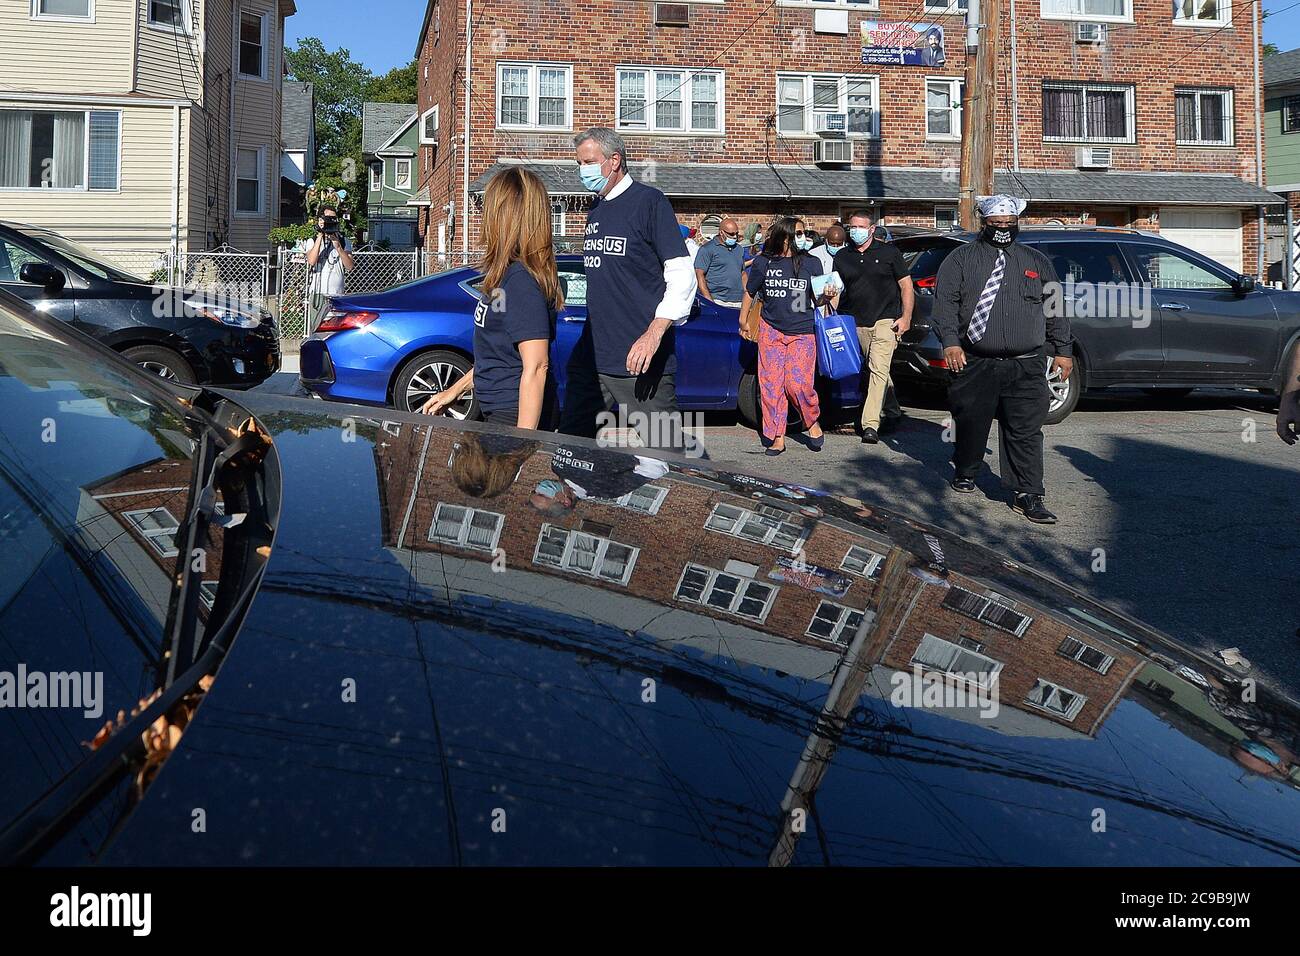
[[1189, 508]]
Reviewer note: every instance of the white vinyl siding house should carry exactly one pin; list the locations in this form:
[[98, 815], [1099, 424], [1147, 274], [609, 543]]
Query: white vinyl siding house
[[137, 132]]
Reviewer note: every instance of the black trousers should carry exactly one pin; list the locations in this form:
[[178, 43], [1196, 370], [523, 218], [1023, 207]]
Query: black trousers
[[647, 401], [1014, 390]]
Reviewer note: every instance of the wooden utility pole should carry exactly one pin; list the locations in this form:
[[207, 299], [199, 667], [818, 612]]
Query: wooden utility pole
[[979, 99]]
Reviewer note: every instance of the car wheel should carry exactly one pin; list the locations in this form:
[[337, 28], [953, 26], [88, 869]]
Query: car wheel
[[430, 372], [749, 405], [163, 362], [1065, 394]]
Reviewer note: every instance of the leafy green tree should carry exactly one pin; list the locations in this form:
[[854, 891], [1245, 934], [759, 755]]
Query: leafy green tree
[[1270, 49], [399, 85]]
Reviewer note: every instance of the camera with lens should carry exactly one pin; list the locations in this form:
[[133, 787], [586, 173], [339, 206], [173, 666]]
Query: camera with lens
[[330, 225]]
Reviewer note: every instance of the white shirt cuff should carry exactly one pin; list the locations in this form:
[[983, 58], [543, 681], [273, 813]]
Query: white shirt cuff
[[679, 291]]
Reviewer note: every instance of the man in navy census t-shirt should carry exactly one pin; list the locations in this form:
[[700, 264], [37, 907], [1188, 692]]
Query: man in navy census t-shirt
[[519, 313], [640, 285], [627, 242], [787, 296]]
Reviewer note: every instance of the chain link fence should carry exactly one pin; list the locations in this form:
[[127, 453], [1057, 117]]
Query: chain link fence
[[240, 275], [372, 271], [149, 265]]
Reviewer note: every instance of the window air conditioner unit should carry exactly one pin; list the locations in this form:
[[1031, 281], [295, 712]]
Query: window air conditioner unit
[[1092, 157], [830, 124], [672, 14], [1094, 33], [828, 151]]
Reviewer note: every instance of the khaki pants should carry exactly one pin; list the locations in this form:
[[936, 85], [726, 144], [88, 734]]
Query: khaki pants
[[878, 342]]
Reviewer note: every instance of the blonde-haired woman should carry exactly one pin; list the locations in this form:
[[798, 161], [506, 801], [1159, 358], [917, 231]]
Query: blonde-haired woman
[[514, 323]]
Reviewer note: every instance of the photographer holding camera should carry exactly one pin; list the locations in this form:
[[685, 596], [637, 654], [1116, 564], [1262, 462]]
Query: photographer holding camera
[[329, 258]]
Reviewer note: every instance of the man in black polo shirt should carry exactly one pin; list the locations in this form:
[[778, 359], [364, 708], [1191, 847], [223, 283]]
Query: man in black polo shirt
[[878, 294], [997, 334]]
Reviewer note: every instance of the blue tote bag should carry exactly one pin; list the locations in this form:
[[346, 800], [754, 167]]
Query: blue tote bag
[[838, 353]]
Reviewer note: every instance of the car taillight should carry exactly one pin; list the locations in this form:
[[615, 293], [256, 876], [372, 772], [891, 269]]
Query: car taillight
[[337, 320], [927, 283]]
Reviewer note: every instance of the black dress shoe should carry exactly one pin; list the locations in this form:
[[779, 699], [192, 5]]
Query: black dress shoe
[[963, 485], [1031, 506], [869, 436]]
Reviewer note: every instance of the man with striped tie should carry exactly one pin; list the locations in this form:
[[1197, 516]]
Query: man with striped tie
[[990, 314]]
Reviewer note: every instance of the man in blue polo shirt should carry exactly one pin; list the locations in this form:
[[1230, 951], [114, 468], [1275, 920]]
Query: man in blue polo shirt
[[640, 286], [720, 264]]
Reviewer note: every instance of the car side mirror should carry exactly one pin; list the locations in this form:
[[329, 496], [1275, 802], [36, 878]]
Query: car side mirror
[[42, 274], [1244, 284]]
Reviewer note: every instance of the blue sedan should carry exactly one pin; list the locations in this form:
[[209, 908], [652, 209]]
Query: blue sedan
[[398, 347]]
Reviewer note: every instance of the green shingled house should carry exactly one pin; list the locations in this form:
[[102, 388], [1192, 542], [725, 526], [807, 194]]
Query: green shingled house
[[390, 139], [1282, 146]]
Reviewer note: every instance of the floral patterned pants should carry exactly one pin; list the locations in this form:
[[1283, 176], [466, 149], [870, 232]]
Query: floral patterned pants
[[787, 369]]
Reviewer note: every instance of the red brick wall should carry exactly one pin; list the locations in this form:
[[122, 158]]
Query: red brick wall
[[1025, 659], [752, 42]]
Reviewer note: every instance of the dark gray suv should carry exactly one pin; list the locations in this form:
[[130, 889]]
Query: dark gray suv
[[1145, 313]]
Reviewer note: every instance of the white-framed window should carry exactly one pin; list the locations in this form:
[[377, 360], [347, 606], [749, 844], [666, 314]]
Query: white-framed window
[[208, 593], [376, 176], [943, 108], [766, 526], [171, 15], [72, 10], [402, 174], [947, 6], [981, 608], [1203, 117], [1087, 112], [669, 100], [158, 527], [1085, 654], [646, 499], [534, 96], [60, 149], [466, 527], [834, 623], [558, 224], [946, 218], [583, 553], [862, 561], [1113, 11], [250, 173], [251, 52], [801, 98], [1203, 13], [1291, 114], [937, 654], [1056, 699], [429, 126], [722, 591]]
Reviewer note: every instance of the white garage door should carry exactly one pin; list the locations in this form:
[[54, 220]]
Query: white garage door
[[1211, 232]]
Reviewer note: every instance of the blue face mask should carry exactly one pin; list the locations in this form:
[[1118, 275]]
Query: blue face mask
[[592, 177], [549, 488], [758, 237], [860, 234], [803, 243], [729, 242], [833, 249]]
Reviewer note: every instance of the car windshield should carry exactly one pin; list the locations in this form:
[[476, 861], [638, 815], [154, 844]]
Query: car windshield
[[88, 260], [95, 471]]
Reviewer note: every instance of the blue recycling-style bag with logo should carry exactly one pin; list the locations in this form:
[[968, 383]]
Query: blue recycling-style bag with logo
[[838, 352]]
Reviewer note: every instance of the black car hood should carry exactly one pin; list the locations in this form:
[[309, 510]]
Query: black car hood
[[395, 699]]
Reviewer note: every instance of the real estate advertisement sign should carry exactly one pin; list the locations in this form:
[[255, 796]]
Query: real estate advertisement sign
[[902, 44]]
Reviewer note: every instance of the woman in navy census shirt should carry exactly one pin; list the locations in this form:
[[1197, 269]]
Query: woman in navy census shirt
[[514, 322], [781, 277]]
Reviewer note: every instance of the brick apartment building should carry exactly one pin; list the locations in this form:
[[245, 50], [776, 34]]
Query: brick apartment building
[[1155, 126], [714, 551]]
